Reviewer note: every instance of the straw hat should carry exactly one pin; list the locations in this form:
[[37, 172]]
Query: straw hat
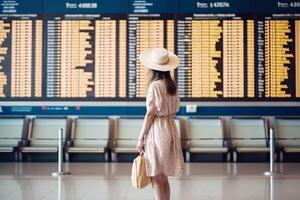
[[159, 59]]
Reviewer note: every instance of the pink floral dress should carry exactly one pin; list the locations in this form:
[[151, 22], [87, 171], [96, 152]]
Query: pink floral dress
[[163, 151]]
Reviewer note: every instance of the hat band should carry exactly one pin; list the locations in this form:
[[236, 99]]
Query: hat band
[[162, 62]]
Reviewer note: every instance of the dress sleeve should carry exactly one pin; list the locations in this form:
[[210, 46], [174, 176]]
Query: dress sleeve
[[151, 99]]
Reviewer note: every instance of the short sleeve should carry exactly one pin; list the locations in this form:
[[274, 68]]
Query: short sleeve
[[153, 99]]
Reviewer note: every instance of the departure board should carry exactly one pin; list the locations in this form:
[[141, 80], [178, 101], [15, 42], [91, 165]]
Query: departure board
[[85, 49], [216, 46], [20, 50], [278, 50], [88, 50], [150, 24]]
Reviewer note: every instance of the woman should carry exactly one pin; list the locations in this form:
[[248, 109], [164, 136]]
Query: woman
[[159, 139]]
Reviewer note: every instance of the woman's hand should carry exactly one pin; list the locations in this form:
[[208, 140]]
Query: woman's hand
[[140, 146]]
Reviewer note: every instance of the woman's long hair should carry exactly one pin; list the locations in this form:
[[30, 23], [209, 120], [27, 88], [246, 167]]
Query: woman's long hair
[[170, 84]]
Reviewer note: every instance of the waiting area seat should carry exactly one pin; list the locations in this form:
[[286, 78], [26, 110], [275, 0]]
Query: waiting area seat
[[43, 135], [206, 135], [89, 135], [127, 133], [11, 135], [248, 136], [288, 136], [94, 138]]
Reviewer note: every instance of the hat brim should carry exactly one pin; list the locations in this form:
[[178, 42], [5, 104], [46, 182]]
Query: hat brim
[[145, 59]]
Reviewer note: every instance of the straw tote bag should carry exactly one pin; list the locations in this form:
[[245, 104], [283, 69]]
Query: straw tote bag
[[139, 176]]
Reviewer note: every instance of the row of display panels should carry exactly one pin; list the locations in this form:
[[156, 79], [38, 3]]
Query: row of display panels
[[88, 50]]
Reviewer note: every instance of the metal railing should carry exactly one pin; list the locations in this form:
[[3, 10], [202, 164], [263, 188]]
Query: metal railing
[[60, 156]]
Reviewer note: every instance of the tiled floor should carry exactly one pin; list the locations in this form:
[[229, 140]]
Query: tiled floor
[[107, 181]]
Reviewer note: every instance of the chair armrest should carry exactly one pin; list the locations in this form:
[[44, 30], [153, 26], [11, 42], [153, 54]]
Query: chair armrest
[[20, 143], [225, 143], [24, 143], [188, 144], [70, 143]]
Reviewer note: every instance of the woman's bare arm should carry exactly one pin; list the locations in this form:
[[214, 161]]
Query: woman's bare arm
[[149, 117]]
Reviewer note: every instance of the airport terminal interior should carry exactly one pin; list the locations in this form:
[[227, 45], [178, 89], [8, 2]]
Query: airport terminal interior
[[73, 97]]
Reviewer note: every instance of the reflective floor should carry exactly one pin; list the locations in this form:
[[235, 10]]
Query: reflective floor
[[101, 181]]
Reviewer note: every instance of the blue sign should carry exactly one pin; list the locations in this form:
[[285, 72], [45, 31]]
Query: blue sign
[[140, 110], [85, 6]]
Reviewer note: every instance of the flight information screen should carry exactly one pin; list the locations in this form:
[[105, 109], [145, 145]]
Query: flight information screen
[[150, 24], [85, 49], [88, 50], [278, 50], [215, 42], [21, 50]]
